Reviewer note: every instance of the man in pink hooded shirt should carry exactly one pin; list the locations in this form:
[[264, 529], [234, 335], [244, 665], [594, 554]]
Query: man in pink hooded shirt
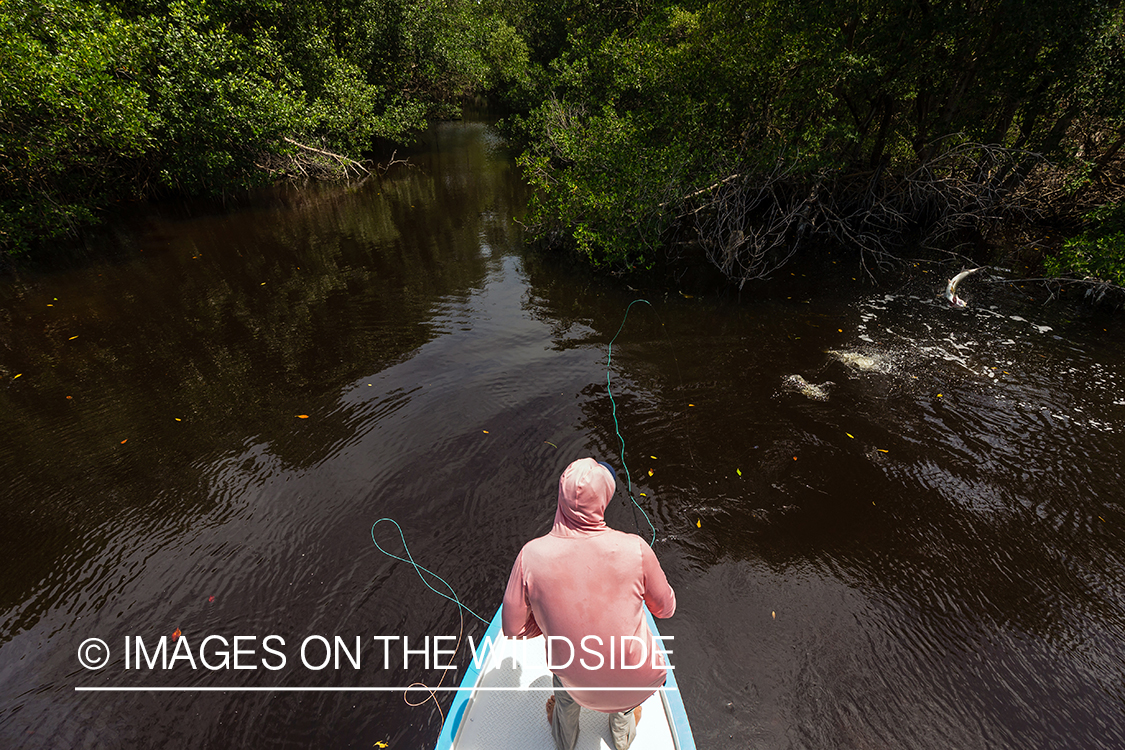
[[584, 586]]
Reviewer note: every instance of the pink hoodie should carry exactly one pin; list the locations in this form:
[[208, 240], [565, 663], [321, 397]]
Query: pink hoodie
[[586, 583]]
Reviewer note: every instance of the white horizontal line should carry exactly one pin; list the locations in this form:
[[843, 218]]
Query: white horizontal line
[[190, 689]]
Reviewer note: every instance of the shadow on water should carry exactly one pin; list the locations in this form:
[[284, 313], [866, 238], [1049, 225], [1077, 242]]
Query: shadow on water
[[204, 428], [167, 389]]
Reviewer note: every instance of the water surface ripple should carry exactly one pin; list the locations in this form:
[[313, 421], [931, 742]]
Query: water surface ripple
[[206, 424]]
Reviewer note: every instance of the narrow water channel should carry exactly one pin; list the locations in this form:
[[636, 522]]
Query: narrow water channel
[[923, 547]]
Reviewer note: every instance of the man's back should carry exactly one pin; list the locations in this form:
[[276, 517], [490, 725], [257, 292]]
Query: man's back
[[583, 585]]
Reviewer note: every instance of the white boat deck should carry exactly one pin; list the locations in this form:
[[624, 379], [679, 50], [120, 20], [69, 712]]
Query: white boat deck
[[517, 719]]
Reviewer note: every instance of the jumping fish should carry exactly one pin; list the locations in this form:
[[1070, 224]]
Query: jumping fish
[[860, 361], [805, 388], [951, 287]]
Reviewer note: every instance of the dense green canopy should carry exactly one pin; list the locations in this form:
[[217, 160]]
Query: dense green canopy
[[102, 102], [742, 129], [748, 128]]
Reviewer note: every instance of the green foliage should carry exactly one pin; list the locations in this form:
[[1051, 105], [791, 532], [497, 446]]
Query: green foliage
[[220, 100], [73, 118], [697, 91], [100, 102], [1098, 253]]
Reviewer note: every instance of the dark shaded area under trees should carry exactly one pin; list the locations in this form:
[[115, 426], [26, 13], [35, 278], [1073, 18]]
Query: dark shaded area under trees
[[727, 132], [745, 132]]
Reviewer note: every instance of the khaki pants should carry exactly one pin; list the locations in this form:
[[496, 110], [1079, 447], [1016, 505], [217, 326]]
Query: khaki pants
[[564, 722]]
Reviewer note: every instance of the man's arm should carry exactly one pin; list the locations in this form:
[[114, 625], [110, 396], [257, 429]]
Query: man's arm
[[659, 596], [518, 619]]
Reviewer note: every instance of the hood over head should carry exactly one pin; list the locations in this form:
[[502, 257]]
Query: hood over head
[[585, 489]]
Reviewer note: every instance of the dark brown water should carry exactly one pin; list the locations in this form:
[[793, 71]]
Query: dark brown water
[[933, 557]]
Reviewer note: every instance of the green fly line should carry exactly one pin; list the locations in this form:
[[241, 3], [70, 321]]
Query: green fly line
[[420, 569], [617, 426], [452, 595]]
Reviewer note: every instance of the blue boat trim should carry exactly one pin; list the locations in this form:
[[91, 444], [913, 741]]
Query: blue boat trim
[[674, 700], [462, 697]]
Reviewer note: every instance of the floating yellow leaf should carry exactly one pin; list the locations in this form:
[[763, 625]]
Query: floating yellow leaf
[[380, 744], [850, 435], [650, 472], [773, 615], [739, 472], [177, 418], [699, 523], [302, 416], [125, 441], [939, 395], [643, 495], [485, 431], [653, 457], [882, 450], [20, 375], [691, 404], [72, 338]]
